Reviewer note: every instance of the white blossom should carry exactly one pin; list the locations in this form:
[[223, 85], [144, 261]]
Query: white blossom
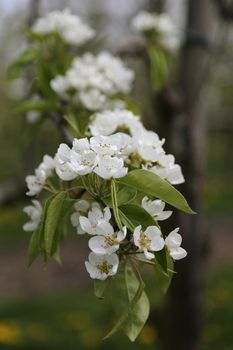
[[94, 81], [102, 266], [92, 223], [148, 241], [144, 21], [82, 158], [81, 207], [47, 165], [107, 122], [109, 241], [35, 183], [168, 170], [149, 146], [161, 24], [116, 144], [173, 242], [64, 168], [34, 212], [156, 209], [110, 167], [93, 99], [71, 28], [60, 85]]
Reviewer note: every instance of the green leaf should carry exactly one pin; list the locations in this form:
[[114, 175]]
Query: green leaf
[[53, 218], [133, 215], [36, 245], [125, 194], [163, 270], [158, 67], [35, 105], [33, 250], [46, 239], [27, 57], [129, 302], [153, 185], [100, 288]]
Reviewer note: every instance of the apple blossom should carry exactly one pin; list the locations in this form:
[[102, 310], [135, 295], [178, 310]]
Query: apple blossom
[[102, 266], [34, 212], [149, 146], [82, 158], [71, 28], [173, 242], [161, 24], [94, 80], [156, 209], [64, 168], [110, 167], [95, 217], [149, 240], [81, 207], [168, 170], [109, 241], [108, 121]]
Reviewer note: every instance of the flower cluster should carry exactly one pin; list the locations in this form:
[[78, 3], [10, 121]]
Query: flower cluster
[[72, 29], [159, 24], [106, 243], [144, 145], [103, 155], [94, 81]]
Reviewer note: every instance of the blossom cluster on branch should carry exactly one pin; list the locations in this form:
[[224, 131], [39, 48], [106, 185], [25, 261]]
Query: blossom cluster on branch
[[113, 181]]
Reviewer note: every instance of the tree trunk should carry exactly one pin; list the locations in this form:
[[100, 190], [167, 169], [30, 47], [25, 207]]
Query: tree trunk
[[187, 131]]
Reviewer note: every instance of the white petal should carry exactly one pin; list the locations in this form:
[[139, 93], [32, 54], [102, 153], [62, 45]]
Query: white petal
[[99, 245], [74, 218], [164, 215], [107, 214], [122, 234], [178, 253], [80, 230], [85, 224], [157, 244], [92, 270], [82, 205], [174, 239], [148, 255], [104, 228], [136, 235]]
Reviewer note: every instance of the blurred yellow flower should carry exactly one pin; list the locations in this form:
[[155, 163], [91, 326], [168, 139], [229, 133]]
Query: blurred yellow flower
[[10, 333], [148, 335]]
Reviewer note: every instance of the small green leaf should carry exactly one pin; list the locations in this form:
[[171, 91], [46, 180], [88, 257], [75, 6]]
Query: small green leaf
[[36, 245], [133, 215], [27, 57], [163, 270], [35, 105], [147, 182], [33, 250], [158, 67], [53, 218], [129, 302]]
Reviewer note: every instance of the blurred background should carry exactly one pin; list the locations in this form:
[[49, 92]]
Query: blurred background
[[55, 308]]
